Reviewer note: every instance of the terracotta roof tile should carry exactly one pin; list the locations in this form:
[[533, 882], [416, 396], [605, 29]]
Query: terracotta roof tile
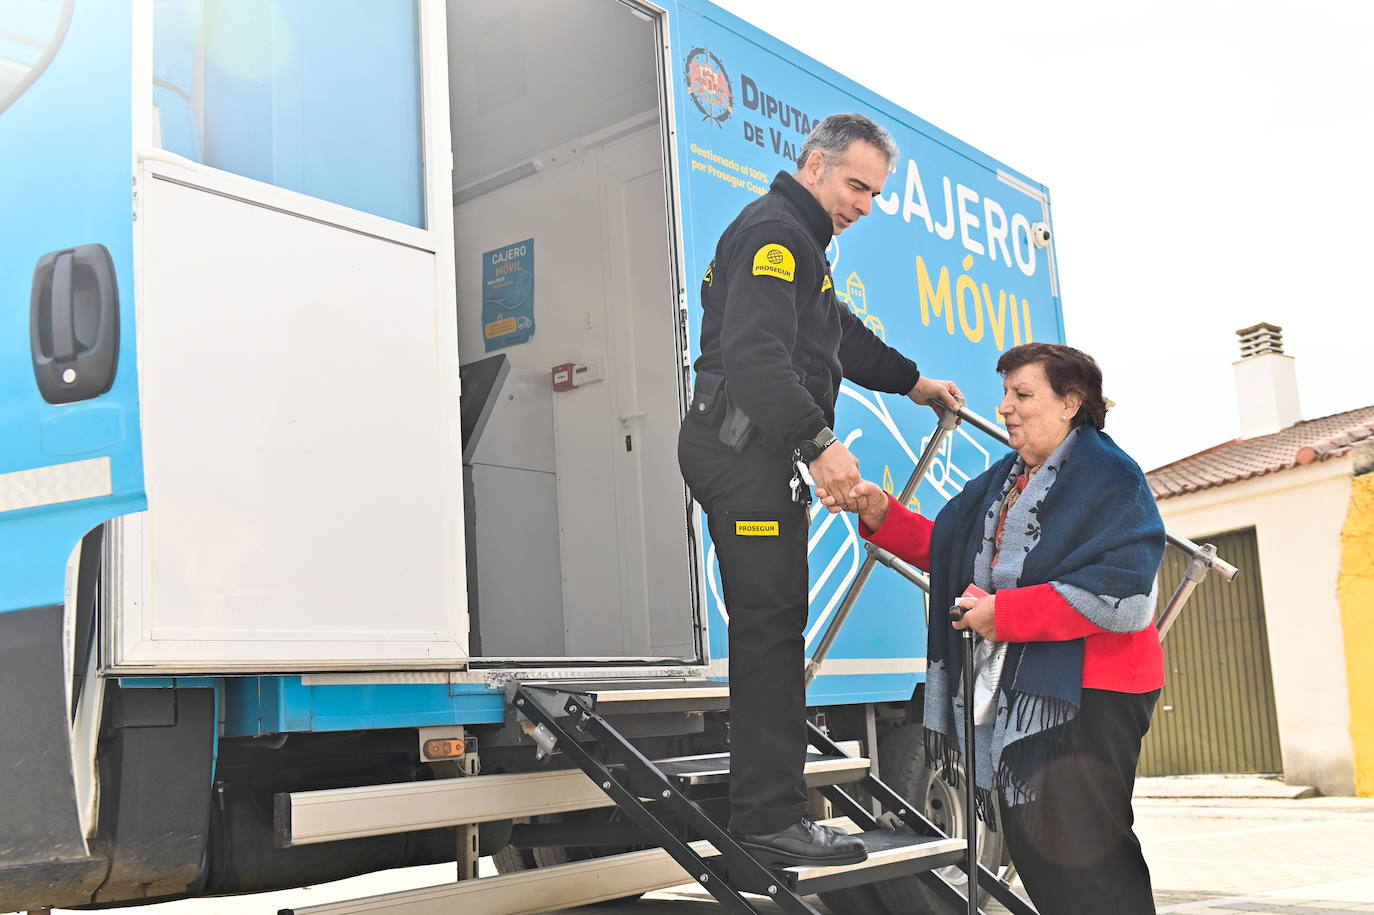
[[1305, 442]]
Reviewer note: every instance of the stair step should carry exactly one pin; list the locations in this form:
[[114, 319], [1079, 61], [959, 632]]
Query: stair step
[[714, 768], [637, 697], [599, 879], [890, 854], [328, 815]]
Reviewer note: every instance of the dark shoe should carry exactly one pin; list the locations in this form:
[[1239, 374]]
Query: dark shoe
[[804, 842]]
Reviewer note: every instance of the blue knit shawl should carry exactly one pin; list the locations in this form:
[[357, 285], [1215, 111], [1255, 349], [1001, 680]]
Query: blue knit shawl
[[1087, 524]]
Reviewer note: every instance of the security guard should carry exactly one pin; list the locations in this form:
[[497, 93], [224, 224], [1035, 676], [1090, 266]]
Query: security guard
[[775, 342]]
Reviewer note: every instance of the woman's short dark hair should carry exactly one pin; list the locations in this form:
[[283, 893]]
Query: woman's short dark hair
[[1070, 371]]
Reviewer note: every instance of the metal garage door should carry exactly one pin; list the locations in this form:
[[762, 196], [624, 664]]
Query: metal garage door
[[1216, 713]]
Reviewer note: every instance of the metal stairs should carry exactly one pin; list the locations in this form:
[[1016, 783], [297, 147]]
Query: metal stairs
[[669, 803], [672, 813]]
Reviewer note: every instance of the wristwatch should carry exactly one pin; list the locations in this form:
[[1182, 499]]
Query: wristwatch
[[811, 449]]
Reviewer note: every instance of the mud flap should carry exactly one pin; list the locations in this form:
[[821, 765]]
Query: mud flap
[[42, 847]]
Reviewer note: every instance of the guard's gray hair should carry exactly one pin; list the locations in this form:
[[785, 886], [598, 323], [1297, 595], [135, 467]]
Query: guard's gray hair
[[834, 135]]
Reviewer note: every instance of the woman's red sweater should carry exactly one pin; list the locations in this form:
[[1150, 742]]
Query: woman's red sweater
[[1131, 662]]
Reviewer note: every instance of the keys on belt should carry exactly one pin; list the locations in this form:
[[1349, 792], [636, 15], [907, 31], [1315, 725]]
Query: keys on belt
[[801, 481]]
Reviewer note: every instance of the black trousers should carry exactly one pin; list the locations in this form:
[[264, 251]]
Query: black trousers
[[760, 537], [1074, 848]]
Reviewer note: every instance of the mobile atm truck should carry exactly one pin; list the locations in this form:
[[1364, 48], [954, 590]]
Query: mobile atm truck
[[343, 349]]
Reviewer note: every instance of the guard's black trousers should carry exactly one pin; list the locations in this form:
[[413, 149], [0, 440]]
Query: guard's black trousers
[[1074, 848], [760, 537]]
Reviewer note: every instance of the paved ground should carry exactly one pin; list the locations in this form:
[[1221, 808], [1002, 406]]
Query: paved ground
[[1230, 853], [1233, 856], [1215, 847]]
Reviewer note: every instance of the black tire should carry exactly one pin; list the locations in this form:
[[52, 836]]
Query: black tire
[[902, 766], [510, 859]]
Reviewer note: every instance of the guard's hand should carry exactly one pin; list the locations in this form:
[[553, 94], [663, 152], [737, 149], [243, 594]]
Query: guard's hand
[[930, 391], [836, 471], [979, 615]]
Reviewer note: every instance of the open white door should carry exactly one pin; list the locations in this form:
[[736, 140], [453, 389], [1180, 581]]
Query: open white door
[[297, 346]]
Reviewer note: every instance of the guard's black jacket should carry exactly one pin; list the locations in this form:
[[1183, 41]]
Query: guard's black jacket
[[773, 326]]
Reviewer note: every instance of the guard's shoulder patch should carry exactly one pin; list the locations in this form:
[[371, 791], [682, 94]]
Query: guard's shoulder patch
[[826, 284], [775, 260]]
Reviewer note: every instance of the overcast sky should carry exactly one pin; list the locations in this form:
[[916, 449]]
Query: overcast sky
[[1210, 165]]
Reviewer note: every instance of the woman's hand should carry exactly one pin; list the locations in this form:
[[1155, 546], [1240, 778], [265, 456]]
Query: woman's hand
[[979, 615], [866, 499]]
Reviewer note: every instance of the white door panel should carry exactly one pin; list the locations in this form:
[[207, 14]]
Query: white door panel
[[301, 447], [654, 492]]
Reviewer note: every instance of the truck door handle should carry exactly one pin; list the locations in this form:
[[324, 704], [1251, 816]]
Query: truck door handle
[[74, 323]]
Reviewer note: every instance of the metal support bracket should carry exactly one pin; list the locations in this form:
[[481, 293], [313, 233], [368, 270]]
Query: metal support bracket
[[467, 852]]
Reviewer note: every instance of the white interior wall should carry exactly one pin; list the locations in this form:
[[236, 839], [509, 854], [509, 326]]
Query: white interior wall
[[538, 74], [1297, 515], [561, 212], [597, 565]]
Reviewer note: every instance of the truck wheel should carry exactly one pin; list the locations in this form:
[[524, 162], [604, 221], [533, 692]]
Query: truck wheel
[[510, 859], [902, 765]]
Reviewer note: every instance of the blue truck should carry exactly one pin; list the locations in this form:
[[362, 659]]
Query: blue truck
[[293, 502]]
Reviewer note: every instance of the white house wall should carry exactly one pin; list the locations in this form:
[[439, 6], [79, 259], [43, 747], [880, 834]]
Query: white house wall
[[1297, 515]]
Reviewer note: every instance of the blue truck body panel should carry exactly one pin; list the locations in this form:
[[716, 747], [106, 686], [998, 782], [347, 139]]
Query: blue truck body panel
[[66, 129], [944, 269], [271, 705]]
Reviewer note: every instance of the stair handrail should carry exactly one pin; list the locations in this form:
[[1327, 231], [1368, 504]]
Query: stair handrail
[[946, 424], [1204, 557]]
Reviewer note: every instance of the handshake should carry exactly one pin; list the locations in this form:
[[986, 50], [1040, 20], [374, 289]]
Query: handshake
[[836, 471], [864, 498]]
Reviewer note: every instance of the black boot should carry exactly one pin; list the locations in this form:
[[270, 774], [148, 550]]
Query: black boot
[[804, 842]]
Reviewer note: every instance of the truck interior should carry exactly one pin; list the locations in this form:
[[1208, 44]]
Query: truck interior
[[581, 543]]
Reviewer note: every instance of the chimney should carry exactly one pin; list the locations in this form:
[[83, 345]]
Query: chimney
[[1266, 382]]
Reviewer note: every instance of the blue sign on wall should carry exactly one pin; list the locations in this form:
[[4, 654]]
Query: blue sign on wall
[[508, 295]]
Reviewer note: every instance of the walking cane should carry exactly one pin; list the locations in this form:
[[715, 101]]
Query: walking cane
[[970, 771]]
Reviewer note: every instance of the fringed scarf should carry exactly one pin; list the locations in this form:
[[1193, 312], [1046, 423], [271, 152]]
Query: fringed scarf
[[1087, 524]]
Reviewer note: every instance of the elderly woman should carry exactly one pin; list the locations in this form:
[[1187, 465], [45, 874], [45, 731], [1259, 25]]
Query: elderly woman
[[1064, 537]]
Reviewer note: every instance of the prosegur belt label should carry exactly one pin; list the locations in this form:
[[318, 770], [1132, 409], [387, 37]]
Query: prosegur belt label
[[756, 528], [508, 295]]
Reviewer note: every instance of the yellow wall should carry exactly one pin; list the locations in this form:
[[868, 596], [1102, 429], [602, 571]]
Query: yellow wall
[[1356, 586]]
